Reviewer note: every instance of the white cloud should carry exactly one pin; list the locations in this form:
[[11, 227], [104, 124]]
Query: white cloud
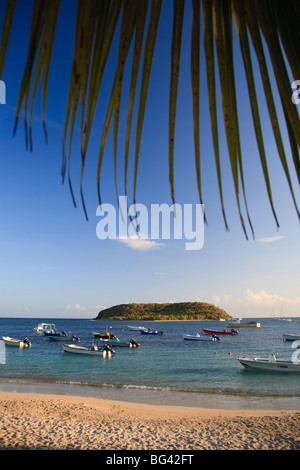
[[83, 308], [269, 239], [79, 307], [228, 297], [216, 299], [140, 244], [264, 298]]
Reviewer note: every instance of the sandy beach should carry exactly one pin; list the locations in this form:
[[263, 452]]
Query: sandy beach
[[62, 422]]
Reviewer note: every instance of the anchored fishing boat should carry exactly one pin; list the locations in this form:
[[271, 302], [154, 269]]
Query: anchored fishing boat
[[198, 337], [19, 343], [44, 328], [250, 324], [64, 338], [270, 364], [290, 337], [136, 328], [220, 332], [149, 331], [105, 335], [117, 343], [92, 351]]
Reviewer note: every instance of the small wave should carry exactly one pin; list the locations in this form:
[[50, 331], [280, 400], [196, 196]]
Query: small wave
[[145, 387]]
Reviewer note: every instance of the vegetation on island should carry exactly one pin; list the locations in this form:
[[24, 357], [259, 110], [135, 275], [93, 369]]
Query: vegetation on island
[[164, 311]]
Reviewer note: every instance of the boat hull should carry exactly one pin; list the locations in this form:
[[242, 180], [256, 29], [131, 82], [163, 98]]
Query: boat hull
[[145, 332], [243, 325], [44, 328], [219, 332], [104, 335], [120, 344], [74, 349], [136, 328], [268, 365], [199, 338], [18, 343], [288, 337], [66, 339]]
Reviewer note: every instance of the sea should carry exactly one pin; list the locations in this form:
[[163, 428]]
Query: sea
[[164, 370]]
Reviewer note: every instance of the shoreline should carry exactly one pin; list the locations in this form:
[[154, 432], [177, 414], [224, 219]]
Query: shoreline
[[153, 396], [64, 422]]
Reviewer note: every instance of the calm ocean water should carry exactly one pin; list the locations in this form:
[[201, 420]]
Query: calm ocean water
[[165, 369]]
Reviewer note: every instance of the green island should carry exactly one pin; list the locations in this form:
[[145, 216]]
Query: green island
[[164, 311]]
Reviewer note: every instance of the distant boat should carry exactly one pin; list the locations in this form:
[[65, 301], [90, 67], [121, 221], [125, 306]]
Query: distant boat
[[117, 343], [19, 343], [48, 333], [251, 324], [220, 332], [269, 364], [92, 351], [64, 338], [136, 328], [46, 328], [282, 318], [149, 331], [236, 321], [106, 335], [290, 337], [198, 337]]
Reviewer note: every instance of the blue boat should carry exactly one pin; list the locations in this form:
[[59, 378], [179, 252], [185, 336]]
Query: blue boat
[[150, 331]]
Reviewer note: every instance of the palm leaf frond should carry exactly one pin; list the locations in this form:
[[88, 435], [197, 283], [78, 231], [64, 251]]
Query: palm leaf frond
[[273, 23]]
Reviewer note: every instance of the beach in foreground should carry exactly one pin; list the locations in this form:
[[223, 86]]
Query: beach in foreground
[[60, 422]]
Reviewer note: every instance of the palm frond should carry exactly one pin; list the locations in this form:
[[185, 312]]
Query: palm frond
[[273, 22]]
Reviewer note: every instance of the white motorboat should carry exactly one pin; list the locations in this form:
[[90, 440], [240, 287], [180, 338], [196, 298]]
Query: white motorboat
[[290, 337], [117, 343], [136, 328], [198, 337], [19, 343], [69, 339], [235, 321], [46, 328], [270, 364], [92, 351]]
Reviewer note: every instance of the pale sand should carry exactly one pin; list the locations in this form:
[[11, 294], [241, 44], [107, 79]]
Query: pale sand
[[40, 421]]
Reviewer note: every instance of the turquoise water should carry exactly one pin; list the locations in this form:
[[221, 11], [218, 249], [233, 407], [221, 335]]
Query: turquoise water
[[164, 366]]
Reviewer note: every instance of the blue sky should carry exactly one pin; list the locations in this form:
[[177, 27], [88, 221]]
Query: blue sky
[[51, 262]]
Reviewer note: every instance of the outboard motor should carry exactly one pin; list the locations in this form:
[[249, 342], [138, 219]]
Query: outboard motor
[[108, 348], [26, 342]]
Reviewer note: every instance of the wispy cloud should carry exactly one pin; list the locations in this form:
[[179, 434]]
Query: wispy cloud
[[140, 244], [269, 239], [264, 298], [158, 273]]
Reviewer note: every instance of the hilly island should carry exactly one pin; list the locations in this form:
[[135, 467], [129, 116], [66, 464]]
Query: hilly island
[[164, 311]]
